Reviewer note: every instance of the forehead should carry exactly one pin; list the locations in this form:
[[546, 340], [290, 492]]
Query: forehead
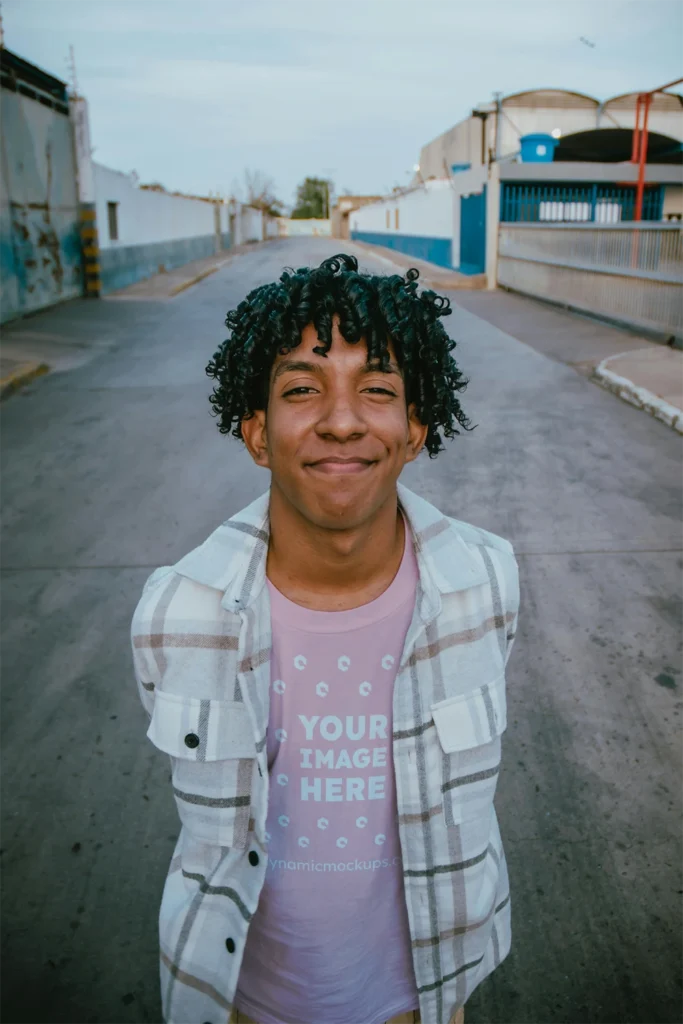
[[341, 352]]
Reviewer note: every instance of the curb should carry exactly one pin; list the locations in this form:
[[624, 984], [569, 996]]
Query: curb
[[640, 397], [24, 374], [193, 280]]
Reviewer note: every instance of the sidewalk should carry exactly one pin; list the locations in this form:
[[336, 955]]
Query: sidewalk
[[430, 274], [27, 351], [650, 378], [645, 373], [172, 282]]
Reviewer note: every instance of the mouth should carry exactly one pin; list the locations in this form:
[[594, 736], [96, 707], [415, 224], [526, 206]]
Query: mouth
[[340, 468]]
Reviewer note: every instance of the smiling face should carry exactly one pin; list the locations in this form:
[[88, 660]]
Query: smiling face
[[321, 407]]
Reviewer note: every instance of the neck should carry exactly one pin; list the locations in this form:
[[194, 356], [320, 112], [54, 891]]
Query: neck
[[322, 567]]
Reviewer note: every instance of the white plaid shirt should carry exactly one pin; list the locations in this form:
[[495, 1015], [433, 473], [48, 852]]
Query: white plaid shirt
[[201, 638]]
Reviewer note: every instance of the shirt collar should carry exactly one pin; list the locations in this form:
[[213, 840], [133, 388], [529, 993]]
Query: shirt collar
[[233, 558]]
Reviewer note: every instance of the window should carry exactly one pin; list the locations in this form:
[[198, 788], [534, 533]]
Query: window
[[388, 219], [396, 218], [112, 214]]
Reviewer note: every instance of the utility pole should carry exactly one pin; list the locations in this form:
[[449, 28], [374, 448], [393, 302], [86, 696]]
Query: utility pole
[[72, 71], [327, 171], [498, 97]]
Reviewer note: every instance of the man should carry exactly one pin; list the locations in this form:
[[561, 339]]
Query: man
[[327, 673]]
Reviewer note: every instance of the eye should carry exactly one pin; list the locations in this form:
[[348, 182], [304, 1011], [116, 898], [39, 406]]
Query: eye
[[294, 390]]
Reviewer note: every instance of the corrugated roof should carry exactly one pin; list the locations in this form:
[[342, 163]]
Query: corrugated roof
[[556, 98]]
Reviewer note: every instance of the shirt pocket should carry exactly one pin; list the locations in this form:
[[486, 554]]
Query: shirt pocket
[[469, 728], [213, 759]]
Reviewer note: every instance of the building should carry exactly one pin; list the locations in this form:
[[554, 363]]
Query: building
[[40, 244], [70, 226], [538, 193], [342, 211], [584, 129]]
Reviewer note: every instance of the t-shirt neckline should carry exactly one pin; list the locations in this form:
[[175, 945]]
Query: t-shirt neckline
[[295, 616]]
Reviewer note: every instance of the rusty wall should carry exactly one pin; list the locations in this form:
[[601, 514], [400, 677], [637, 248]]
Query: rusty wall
[[40, 254]]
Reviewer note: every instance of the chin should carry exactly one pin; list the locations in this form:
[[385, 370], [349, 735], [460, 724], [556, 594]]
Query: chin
[[349, 509]]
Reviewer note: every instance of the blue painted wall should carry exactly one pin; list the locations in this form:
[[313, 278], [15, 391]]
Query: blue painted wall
[[473, 233], [40, 248], [434, 250], [124, 265]]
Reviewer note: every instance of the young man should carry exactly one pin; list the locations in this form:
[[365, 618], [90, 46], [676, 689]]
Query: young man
[[327, 672]]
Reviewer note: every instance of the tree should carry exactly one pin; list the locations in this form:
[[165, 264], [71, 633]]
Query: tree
[[259, 190], [313, 199]]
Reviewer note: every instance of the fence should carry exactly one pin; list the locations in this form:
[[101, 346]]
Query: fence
[[602, 204], [626, 272]]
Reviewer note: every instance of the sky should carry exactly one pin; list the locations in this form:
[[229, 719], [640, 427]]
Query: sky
[[190, 93]]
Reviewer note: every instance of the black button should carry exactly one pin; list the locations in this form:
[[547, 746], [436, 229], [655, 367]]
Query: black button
[[192, 740], [253, 858], [230, 945]]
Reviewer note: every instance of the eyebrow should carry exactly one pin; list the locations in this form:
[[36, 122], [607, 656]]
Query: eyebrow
[[291, 365]]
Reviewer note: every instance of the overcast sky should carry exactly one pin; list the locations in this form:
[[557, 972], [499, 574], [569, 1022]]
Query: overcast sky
[[191, 93]]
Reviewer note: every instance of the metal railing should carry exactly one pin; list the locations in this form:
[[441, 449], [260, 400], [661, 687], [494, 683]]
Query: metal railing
[[632, 272], [525, 202]]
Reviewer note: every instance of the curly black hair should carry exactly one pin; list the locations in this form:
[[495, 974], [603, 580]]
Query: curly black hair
[[370, 307]]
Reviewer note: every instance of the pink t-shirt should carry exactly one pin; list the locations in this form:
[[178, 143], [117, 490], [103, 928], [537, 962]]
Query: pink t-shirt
[[330, 942]]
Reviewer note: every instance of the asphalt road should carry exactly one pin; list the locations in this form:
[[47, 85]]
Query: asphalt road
[[115, 467]]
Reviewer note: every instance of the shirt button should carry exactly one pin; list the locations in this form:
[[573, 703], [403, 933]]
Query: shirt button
[[230, 945], [192, 740], [253, 858]]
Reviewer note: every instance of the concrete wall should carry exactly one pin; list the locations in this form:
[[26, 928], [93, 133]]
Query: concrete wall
[[341, 213], [155, 230], [146, 217], [546, 174], [673, 202], [418, 223], [40, 251], [249, 226], [288, 228]]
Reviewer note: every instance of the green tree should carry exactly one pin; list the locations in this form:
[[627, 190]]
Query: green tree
[[313, 199]]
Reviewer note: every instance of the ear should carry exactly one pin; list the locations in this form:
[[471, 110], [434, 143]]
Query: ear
[[417, 434], [255, 437]]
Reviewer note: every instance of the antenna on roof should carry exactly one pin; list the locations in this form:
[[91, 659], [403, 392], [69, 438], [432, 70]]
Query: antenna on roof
[[2, 32], [71, 62]]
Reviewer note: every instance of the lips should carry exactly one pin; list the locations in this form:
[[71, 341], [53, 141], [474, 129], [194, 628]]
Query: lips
[[344, 466], [341, 462]]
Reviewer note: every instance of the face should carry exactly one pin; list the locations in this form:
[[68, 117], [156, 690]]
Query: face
[[333, 407]]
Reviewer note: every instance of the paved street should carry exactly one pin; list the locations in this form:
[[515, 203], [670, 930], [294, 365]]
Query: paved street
[[115, 466]]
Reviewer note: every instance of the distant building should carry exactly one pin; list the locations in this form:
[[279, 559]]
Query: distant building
[[340, 213], [580, 128]]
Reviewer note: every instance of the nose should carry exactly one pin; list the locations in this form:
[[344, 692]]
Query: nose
[[341, 416]]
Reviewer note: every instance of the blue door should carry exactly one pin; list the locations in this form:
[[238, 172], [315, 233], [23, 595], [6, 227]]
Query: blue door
[[473, 233]]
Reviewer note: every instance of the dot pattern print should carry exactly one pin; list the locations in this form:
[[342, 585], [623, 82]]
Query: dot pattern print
[[333, 845]]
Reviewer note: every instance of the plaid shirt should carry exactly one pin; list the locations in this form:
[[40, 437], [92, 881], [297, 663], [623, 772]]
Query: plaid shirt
[[201, 639]]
